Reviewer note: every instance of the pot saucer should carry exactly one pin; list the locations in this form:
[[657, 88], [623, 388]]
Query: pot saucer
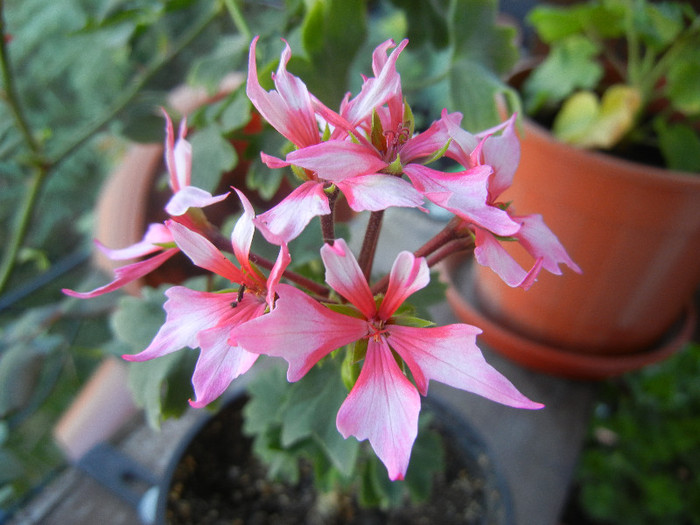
[[551, 359]]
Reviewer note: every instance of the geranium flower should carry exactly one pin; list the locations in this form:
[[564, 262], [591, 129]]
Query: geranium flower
[[178, 159], [293, 111], [383, 405], [499, 148], [157, 239], [204, 319]]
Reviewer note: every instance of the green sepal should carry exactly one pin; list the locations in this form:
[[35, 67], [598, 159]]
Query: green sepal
[[346, 309], [409, 320], [395, 168], [408, 119], [377, 134], [439, 153], [299, 172], [350, 368]]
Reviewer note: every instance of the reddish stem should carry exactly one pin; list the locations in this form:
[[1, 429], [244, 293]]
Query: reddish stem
[[369, 245]]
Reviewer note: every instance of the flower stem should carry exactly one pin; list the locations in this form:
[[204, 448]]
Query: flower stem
[[448, 233], [238, 19], [302, 281], [328, 221], [465, 244], [369, 245]]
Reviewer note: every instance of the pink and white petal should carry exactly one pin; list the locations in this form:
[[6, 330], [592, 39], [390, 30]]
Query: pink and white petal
[[203, 253], [288, 109], [243, 231], [299, 329], [540, 242], [464, 194], [337, 160], [490, 253], [273, 162], [344, 275], [379, 191], [425, 144], [156, 234], [288, 219], [126, 274], [273, 280], [170, 153], [182, 155], [408, 275], [378, 90], [502, 152], [383, 407], [188, 312], [217, 366], [191, 197], [449, 354]]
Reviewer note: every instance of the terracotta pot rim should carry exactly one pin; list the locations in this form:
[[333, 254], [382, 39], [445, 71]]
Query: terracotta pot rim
[[623, 167], [551, 359]]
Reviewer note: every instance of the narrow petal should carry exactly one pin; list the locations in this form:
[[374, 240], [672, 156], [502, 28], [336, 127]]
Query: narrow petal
[[383, 407], [289, 108], [344, 275], [217, 366], [336, 160], [187, 313], [299, 329], [220, 363], [378, 191], [182, 156], [540, 242], [449, 354], [273, 280], [191, 197], [408, 275], [126, 274], [502, 153], [243, 231], [489, 252], [425, 144], [156, 234], [170, 153], [287, 220], [378, 90], [203, 253], [465, 194]]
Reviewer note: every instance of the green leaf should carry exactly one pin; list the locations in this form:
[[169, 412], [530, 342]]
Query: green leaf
[[427, 23], [312, 403], [212, 155], [586, 122], [332, 33], [604, 20], [150, 385], [427, 460], [570, 65], [683, 82], [268, 391], [476, 93], [680, 145]]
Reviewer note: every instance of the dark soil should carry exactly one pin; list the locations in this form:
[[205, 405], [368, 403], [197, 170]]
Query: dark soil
[[215, 484]]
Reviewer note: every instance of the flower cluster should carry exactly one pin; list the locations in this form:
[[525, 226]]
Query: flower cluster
[[370, 152]]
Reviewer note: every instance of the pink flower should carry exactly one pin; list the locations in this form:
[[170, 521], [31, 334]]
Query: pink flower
[[204, 319], [383, 405], [178, 158], [157, 239], [502, 152], [292, 110]]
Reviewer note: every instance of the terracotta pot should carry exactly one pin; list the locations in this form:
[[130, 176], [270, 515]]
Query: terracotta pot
[[633, 229]]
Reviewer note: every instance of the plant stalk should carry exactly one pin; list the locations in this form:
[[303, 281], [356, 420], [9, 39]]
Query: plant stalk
[[369, 245]]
